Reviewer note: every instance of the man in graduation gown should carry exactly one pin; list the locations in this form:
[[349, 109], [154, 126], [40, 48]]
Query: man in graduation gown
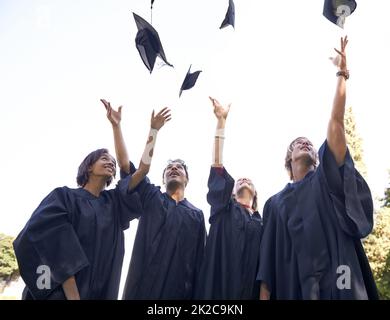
[[171, 232], [229, 268], [72, 247], [311, 246]]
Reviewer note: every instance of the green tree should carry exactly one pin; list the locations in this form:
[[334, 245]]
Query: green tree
[[377, 244], [386, 199], [354, 142], [8, 265], [377, 247]]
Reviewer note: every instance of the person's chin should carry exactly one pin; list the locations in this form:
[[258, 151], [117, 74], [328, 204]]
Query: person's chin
[[304, 155], [174, 182], [308, 158], [244, 187], [109, 172], [109, 176]]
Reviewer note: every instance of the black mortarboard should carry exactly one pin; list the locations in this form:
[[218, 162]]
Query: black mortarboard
[[338, 18], [148, 43], [230, 16], [189, 80]]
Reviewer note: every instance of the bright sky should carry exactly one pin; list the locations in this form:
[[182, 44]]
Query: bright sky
[[58, 58]]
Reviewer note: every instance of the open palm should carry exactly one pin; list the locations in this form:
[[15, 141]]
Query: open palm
[[219, 111], [157, 121], [113, 116]]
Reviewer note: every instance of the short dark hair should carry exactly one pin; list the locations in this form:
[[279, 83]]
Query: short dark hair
[[83, 172], [177, 161]]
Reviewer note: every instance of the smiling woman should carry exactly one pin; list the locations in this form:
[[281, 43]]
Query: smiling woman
[[97, 163], [74, 240], [228, 269]]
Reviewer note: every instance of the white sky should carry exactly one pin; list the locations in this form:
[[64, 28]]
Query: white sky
[[58, 58]]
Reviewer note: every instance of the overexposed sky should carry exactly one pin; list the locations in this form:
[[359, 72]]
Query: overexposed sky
[[59, 57]]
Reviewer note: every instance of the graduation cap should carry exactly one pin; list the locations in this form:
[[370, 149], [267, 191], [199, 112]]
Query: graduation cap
[[230, 16], [148, 43], [189, 80], [337, 10]]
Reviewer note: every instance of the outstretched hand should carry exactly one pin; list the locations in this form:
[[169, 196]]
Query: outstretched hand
[[341, 60], [113, 116], [220, 112], [157, 121]]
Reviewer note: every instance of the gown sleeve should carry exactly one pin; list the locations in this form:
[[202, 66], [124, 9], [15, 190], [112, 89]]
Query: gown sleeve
[[349, 192], [220, 186], [201, 243], [267, 259], [128, 203], [49, 240], [145, 190]]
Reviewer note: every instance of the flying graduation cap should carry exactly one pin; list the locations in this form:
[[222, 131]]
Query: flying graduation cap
[[337, 10], [230, 16], [148, 43], [189, 80]]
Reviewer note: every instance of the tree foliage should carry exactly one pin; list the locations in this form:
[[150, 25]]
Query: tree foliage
[[377, 247], [386, 199], [377, 244], [8, 264], [354, 142]]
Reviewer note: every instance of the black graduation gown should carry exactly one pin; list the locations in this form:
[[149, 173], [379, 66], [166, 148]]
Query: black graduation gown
[[231, 257], [314, 226], [168, 247], [75, 233]]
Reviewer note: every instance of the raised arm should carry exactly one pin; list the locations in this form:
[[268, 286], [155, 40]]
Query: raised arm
[[115, 118], [156, 123], [336, 132], [221, 113]]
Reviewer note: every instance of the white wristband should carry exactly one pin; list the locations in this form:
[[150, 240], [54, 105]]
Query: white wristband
[[220, 133], [148, 152], [218, 143]]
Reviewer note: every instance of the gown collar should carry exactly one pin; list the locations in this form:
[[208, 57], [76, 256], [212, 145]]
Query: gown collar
[[86, 194]]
